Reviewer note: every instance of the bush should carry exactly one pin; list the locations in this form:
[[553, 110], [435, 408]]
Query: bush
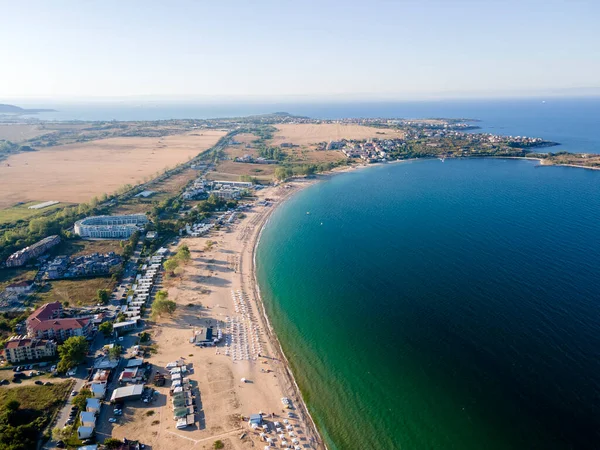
[[218, 444]]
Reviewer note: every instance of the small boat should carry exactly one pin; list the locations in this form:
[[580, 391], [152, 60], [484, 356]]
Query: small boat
[[307, 212]]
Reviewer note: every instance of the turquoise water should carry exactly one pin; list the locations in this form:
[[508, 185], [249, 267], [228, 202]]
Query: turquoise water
[[430, 305]]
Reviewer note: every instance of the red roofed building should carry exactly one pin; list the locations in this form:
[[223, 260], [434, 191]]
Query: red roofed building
[[45, 323], [19, 349]]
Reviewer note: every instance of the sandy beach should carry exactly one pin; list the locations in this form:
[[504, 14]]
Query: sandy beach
[[218, 288]]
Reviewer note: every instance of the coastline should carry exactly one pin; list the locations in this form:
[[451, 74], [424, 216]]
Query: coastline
[[292, 386]]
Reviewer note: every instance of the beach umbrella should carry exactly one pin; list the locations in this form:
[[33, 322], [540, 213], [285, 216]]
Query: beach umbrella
[[282, 436]]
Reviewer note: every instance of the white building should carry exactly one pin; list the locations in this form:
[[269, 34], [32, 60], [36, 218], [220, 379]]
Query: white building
[[110, 227]]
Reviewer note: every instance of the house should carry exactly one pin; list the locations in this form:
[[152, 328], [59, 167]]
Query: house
[[121, 328], [84, 432], [93, 405], [131, 392], [20, 348], [98, 390], [21, 287], [135, 362], [87, 419], [130, 375]]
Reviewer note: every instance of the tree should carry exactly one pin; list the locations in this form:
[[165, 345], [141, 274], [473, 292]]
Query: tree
[[103, 296], [80, 399], [112, 443], [115, 352], [170, 265], [281, 173], [106, 329], [72, 352], [12, 405], [162, 305], [144, 336], [60, 434], [183, 253]]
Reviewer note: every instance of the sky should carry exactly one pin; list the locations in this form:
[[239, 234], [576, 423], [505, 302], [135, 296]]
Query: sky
[[305, 49]]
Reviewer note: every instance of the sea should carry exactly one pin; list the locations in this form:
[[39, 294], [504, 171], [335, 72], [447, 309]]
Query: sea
[[436, 305], [572, 122], [442, 305]]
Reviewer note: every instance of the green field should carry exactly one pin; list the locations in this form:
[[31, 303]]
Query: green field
[[77, 292], [22, 212]]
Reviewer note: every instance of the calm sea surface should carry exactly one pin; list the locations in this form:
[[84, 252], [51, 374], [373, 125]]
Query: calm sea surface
[[430, 305], [572, 122]]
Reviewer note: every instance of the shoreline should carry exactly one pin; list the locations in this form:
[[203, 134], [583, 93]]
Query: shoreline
[[301, 406]]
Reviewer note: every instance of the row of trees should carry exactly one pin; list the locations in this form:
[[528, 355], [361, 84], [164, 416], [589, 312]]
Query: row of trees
[[288, 171]]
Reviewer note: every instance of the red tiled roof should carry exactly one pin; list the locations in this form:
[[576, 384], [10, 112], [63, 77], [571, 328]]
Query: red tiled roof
[[44, 312], [59, 324], [16, 343]]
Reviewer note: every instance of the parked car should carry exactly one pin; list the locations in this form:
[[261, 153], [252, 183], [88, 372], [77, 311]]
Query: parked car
[[39, 382], [112, 420], [73, 393], [60, 444]]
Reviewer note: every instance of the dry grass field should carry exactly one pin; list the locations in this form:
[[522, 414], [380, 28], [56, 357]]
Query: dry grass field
[[236, 169], [77, 172], [308, 134], [80, 291], [163, 189]]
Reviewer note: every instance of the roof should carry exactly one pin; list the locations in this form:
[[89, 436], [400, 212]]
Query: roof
[[86, 416], [135, 362], [59, 324], [101, 375], [44, 312], [93, 402], [124, 324], [23, 284], [127, 391], [256, 418], [97, 387], [16, 343]]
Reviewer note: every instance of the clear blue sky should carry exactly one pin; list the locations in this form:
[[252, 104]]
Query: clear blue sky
[[275, 48]]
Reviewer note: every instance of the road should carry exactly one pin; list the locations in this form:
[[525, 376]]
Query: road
[[98, 343]]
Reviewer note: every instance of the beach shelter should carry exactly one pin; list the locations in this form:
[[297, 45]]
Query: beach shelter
[[180, 412]]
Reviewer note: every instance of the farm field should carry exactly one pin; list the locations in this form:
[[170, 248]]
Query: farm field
[[78, 172]]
